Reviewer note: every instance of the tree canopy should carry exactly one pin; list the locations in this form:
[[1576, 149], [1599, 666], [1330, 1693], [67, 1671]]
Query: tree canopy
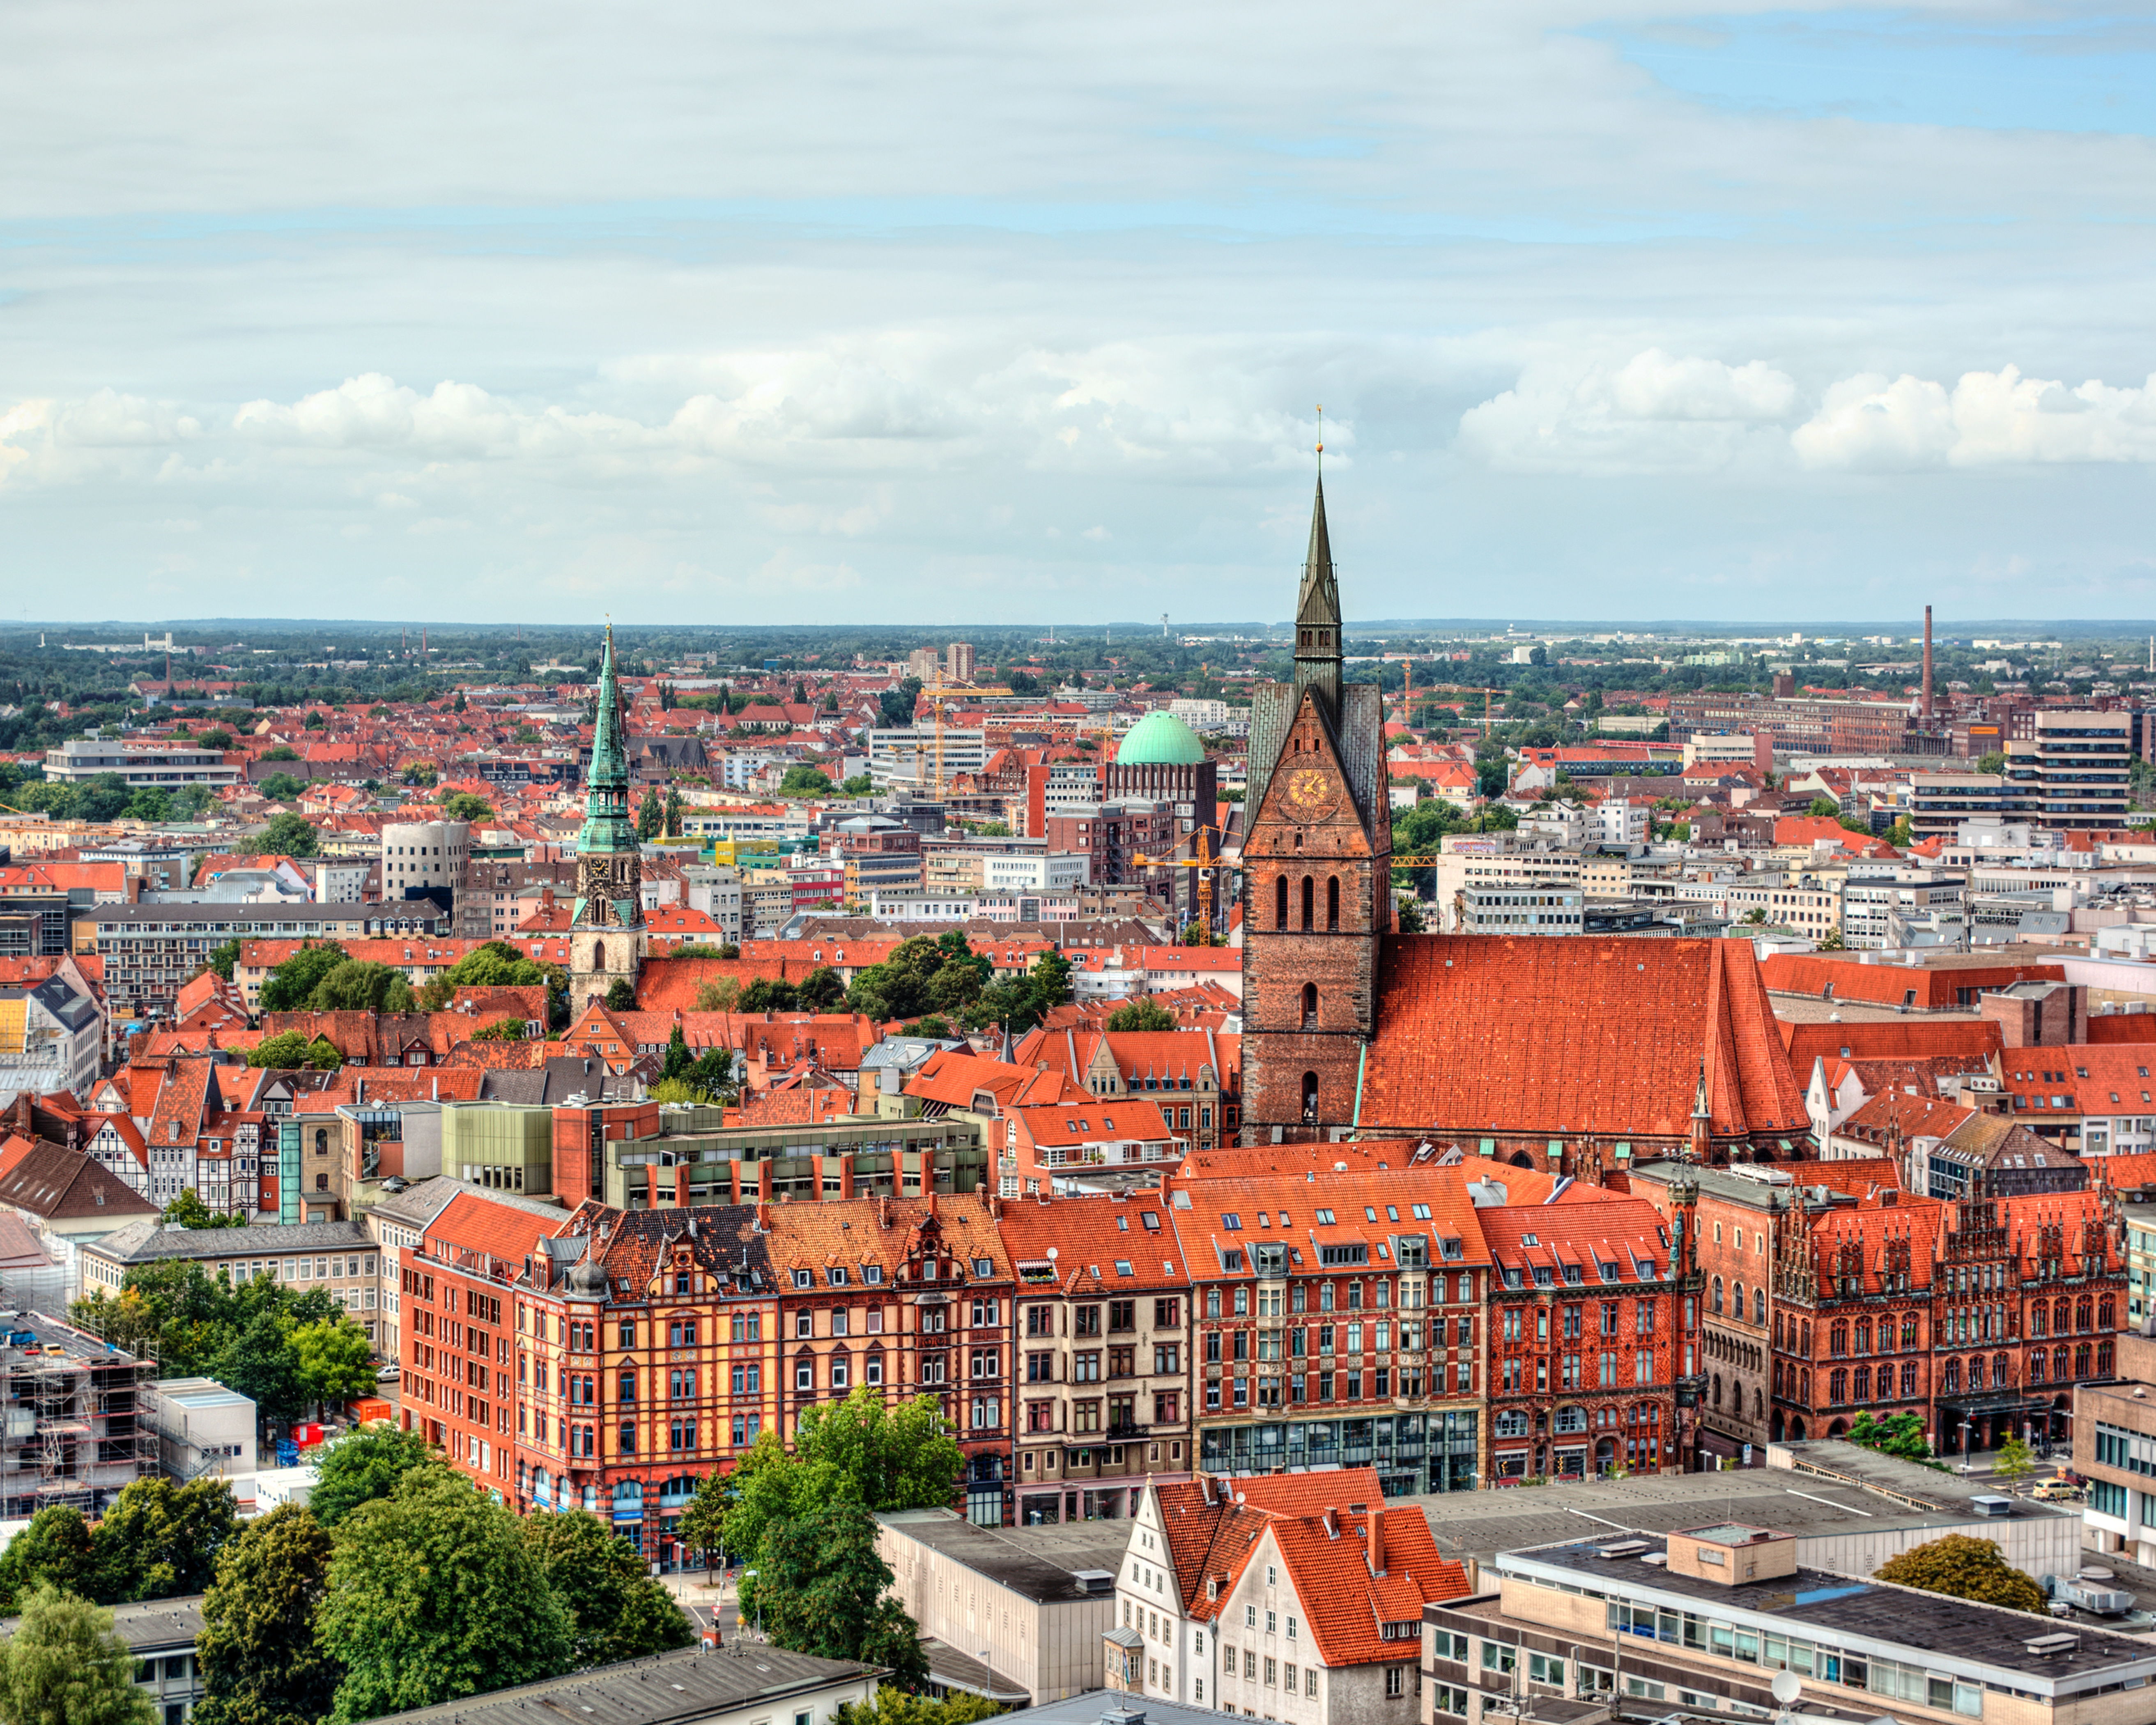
[[293, 982], [1143, 1013], [1968, 1569], [822, 1588], [617, 1611], [261, 1664], [433, 1595], [291, 1050], [64, 1665], [157, 1541], [364, 1465], [290, 834]]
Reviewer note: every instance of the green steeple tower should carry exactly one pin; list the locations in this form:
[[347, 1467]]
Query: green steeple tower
[[609, 863], [1317, 617]]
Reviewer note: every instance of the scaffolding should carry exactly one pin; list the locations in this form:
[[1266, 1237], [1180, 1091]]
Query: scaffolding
[[75, 1420]]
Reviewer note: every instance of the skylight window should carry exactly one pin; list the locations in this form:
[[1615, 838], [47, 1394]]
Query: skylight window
[[1232, 1221], [1420, 1212], [1325, 1218], [1369, 1213]]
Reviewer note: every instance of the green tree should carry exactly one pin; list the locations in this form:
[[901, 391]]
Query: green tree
[[281, 787], [216, 738], [366, 1464], [650, 818], [621, 995], [290, 1051], [159, 1540], [188, 1210], [336, 1360], [1825, 807], [2013, 1459], [419, 773], [434, 1596], [1967, 1569], [672, 813], [64, 1665], [1995, 763], [260, 1662], [805, 782], [1143, 1013], [280, 752], [720, 994], [767, 994], [257, 1362], [860, 785], [897, 704], [314, 721], [821, 1587], [288, 835], [293, 982], [223, 958], [888, 1457], [1755, 917], [1408, 918], [102, 797], [467, 806], [617, 1611], [821, 991], [703, 1524], [1900, 834], [893, 1706], [149, 804], [678, 1059], [360, 985], [497, 964], [501, 1030], [1901, 1435], [55, 1550]]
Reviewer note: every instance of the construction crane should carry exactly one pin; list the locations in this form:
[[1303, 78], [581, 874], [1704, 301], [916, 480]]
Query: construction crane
[[1205, 862], [1467, 689]]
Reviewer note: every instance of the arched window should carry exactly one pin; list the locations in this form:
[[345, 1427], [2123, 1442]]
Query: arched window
[[2040, 1319], [1714, 1297], [2062, 1316], [1333, 904], [1864, 1335], [2058, 1364], [2081, 1359], [1976, 1371], [1309, 896], [1280, 902], [1837, 1387], [1310, 1006], [1737, 1301], [1863, 1389], [1908, 1379], [1950, 1378], [1717, 1389], [1908, 1331], [2036, 1365], [2103, 1359], [1837, 1340], [2081, 1311], [1805, 1387], [1778, 1378], [2002, 1372], [1310, 1098], [598, 955], [2107, 1314], [1759, 1306]]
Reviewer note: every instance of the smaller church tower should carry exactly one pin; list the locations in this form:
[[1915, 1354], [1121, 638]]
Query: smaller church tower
[[607, 934]]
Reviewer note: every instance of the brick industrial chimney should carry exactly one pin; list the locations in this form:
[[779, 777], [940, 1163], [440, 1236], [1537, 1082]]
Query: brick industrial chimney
[[1928, 665]]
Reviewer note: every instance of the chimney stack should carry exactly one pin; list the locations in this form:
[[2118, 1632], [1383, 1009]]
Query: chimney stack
[[1376, 1540], [1928, 665]]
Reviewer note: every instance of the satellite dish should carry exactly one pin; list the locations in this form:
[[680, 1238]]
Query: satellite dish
[[1787, 1686], [1053, 1254]]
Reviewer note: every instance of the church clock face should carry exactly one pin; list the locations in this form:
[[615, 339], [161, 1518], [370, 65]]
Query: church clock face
[[1310, 794]]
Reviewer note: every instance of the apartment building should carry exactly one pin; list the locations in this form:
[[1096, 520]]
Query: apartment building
[[910, 756], [2077, 767], [1338, 1321], [1487, 865], [1111, 836], [1539, 907], [149, 950], [339, 1257], [420, 856], [1807, 903], [1883, 908], [1293, 1598], [140, 767], [1102, 1344], [1706, 1619]]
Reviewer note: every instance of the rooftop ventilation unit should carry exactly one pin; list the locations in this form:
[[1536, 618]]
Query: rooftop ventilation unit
[[1991, 1505], [1622, 1548]]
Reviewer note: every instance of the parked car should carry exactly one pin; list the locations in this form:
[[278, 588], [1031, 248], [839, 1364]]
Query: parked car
[[2058, 1492], [389, 1374]]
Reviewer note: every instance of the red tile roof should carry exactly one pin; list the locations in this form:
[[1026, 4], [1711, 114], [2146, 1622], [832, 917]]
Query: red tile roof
[[1594, 1034]]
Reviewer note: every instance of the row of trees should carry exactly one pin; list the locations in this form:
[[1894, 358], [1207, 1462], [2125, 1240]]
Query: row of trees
[[322, 977], [940, 980], [399, 1587], [284, 1349]]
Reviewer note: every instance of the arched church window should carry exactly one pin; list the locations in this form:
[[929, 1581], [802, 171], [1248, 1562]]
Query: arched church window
[[1310, 1098], [1280, 902], [1310, 1006], [1309, 898], [1333, 904]]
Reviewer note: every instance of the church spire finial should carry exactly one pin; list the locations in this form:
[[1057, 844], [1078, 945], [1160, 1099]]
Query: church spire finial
[[1317, 606]]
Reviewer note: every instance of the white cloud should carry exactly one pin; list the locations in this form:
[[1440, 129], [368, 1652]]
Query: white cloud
[[456, 421], [1988, 419], [1655, 413]]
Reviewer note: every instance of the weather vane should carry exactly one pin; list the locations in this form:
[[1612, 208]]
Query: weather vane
[[1320, 437]]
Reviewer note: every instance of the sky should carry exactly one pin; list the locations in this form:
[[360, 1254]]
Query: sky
[[956, 311]]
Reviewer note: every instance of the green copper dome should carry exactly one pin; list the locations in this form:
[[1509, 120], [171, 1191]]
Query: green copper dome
[[1160, 740]]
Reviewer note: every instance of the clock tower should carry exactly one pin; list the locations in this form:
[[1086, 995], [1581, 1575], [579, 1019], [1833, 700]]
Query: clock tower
[[1317, 897], [606, 930]]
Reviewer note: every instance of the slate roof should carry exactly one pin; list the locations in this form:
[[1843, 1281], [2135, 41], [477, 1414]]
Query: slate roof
[[152, 1243], [56, 1183], [677, 1688], [1559, 1038]]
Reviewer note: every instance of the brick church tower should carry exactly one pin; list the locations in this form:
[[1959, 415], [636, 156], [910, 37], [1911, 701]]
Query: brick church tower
[[1317, 897]]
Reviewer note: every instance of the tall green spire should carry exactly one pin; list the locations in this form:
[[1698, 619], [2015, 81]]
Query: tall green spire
[[609, 830]]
